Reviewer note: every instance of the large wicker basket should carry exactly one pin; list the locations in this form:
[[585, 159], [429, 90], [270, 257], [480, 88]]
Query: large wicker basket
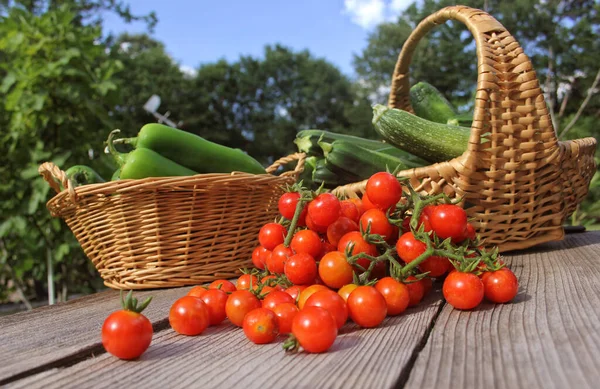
[[518, 182], [168, 232]]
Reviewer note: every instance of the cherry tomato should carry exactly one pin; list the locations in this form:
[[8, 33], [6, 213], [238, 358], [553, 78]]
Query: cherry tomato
[[126, 334], [409, 248], [261, 326], [271, 235], [359, 206], [259, 257], [416, 291], [306, 241], [224, 285], [384, 190], [500, 286], [463, 290], [424, 218], [436, 266], [339, 228], [345, 291], [306, 293], [315, 329], [275, 298], [470, 232], [239, 304], [301, 269], [287, 204], [324, 209], [244, 281], [332, 302], [366, 203], [313, 226], [378, 221], [189, 316], [326, 247], [395, 293], [334, 270], [449, 221], [360, 244], [285, 313], [215, 300], [197, 291], [279, 256], [350, 210], [366, 306], [295, 291]]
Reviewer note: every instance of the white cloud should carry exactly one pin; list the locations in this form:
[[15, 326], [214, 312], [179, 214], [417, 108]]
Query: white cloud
[[365, 13], [369, 13], [188, 70]]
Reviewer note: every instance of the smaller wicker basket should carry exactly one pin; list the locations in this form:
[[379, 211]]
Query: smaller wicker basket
[[519, 182], [169, 232]]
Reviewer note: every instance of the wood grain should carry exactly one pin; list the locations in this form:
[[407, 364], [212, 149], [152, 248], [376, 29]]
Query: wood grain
[[223, 357], [549, 337], [64, 333]]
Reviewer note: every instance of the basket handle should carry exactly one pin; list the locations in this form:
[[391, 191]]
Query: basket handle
[[509, 106], [300, 157], [56, 177]]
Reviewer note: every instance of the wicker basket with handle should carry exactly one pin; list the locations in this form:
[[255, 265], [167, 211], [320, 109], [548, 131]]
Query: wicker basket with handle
[[518, 182], [173, 231]]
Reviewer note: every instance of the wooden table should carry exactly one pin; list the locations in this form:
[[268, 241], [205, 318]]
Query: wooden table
[[549, 337]]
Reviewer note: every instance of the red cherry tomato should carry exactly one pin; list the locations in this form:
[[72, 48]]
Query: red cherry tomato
[[436, 266], [244, 281], [367, 204], [279, 256], [307, 292], [500, 286], [350, 210], [416, 291], [306, 241], [285, 316], [239, 304], [261, 326], [275, 298], [224, 285], [334, 270], [215, 300], [314, 226], [189, 316], [470, 232], [324, 209], [326, 247], [366, 306], [332, 302], [395, 293], [339, 228], [197, 291], [463, 290], [301, 269], [259, 257], [449, 221], [409, 248], [295, 291], [287, 204], [127, 334], [378, 221], [384, 190], [315, 329], [271, 235]]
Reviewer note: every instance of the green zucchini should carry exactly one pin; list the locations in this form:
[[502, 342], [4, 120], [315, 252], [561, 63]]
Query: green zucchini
[[431, 141], [307, 142], [429, 103], [350, 158]]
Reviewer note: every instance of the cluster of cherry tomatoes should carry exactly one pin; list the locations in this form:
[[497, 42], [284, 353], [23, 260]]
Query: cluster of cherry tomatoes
[[328, 260]]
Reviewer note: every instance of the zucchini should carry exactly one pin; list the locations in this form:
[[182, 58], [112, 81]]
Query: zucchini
[[350, 158], [431, 141], [307, 142], [429, 103]]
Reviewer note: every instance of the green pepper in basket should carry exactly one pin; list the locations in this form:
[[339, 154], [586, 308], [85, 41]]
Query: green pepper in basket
[[83, 175], [144, 163], [193, 151]]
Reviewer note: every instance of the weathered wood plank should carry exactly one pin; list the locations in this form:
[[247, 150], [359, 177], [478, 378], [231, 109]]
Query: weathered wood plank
[[549, 337], [223, 357], [55, 335]]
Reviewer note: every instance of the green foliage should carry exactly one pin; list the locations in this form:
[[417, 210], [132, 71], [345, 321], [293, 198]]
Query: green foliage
[[58, 88]]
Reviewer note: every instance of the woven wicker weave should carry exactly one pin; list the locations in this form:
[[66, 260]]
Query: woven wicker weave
[[518, 181], [168, 232]]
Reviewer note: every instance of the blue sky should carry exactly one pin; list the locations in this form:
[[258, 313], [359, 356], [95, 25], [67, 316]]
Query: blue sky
[[203, 31]]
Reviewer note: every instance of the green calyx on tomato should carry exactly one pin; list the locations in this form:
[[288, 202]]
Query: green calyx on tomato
[[130, 303]]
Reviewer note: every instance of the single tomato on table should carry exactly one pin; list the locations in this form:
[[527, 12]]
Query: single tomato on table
[[315, 329], [261, 326]]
